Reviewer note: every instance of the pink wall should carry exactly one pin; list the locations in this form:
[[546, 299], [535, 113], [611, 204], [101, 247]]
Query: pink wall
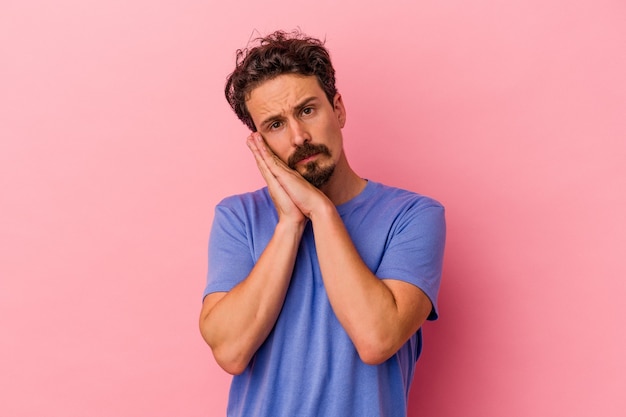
[[116, 144]]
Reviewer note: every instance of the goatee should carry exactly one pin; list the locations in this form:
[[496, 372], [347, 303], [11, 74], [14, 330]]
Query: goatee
[[317, 175], [314, 173]]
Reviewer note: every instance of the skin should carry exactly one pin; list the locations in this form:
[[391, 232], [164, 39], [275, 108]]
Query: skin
[[379, 315]]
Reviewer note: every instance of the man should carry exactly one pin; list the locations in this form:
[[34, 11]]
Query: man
[[318, 284]]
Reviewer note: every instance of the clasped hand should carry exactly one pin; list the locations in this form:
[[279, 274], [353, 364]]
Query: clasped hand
[[294, 197]]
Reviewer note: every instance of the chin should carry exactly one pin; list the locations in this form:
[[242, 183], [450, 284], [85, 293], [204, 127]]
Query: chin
[[318, 177]]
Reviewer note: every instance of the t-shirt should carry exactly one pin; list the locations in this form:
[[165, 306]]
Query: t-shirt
[[308, 366]]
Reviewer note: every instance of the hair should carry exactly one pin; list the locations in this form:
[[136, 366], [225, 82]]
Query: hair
[[276, 54]]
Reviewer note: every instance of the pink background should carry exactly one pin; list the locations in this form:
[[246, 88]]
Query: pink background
[[116, 143]]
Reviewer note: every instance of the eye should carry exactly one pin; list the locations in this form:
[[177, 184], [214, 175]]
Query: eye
[[307, 111], [275, 125]]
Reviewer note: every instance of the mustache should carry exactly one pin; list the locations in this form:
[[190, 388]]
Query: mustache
[[304, 151]]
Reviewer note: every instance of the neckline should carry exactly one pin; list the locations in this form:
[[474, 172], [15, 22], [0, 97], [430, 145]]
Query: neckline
[[363, 195]]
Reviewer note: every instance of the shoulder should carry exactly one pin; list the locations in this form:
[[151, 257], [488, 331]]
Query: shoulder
[[245, 202], [250, 208], [390, 196]]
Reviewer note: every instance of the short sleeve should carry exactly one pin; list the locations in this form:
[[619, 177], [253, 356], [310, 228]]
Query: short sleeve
[[230, 260], [415, 250]]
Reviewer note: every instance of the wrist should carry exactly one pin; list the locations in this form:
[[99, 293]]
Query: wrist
[[323, 211], [291, 226]]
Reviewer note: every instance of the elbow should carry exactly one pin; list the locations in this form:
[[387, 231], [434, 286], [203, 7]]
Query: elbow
[[376, 352], [374, 357], [233, 367], [229, 358], [226, 357]]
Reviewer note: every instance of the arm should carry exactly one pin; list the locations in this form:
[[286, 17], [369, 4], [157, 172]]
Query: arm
[[378, 315], [236, 323]]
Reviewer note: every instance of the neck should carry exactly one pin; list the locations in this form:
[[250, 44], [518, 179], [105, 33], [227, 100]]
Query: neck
[[344, 185]]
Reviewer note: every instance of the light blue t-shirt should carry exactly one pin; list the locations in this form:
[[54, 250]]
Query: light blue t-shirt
[[308, 366]]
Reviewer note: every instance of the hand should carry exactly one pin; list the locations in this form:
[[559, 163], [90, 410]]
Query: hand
[[286, 208], [301, 193]]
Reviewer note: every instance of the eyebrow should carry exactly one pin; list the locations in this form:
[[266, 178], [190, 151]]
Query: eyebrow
[[303, 103]]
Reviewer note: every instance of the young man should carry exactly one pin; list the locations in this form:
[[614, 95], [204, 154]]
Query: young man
[[318, 284]]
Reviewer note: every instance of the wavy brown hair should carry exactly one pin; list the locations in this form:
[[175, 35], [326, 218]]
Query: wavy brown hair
[[276, 54]]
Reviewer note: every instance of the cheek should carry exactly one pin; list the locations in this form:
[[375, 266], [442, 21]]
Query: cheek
[[334, 138]]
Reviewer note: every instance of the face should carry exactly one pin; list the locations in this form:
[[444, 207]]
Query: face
[[300, 125]]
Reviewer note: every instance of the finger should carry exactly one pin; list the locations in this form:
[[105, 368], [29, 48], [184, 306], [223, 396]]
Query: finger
[[276, 165], [282, 201], [262, 164], [260, 161]]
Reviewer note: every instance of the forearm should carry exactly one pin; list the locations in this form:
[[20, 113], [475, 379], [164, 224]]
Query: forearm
[[365, 305], [238, 323]]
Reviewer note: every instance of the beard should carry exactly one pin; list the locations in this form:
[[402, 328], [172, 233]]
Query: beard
[[314, 173], [317, 175]]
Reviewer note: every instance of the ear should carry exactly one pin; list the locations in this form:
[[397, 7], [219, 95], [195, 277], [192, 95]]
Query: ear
[[339, 109]]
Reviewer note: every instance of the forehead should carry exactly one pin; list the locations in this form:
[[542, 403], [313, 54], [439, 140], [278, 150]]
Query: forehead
[[282, 94]]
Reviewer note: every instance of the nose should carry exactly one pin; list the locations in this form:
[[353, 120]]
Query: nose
[[300, 134]]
